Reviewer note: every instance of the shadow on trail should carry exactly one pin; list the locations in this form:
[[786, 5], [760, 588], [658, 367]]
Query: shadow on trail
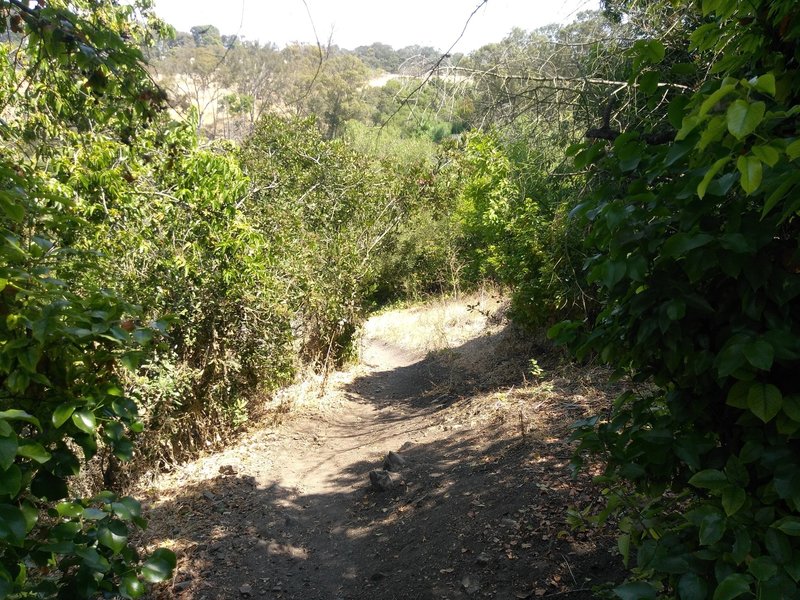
[[488, 363], [474, 517]]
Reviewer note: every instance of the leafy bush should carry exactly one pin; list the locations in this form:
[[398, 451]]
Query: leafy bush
[[65, 337], [512, 226], [694, 248]]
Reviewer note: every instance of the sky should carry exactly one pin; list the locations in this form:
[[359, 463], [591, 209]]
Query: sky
[[351, 23]]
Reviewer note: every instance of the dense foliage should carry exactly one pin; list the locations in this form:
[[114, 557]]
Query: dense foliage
[[694, 251], [635, 171], [70, 80]]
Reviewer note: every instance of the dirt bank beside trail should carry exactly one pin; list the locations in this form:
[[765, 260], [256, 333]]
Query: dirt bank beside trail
[[288, 512]]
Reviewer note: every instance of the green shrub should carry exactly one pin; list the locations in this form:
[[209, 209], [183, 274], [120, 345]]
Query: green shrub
[[694, 250], [65, 336]]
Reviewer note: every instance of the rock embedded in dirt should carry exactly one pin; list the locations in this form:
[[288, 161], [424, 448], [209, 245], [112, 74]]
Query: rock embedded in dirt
[[509, 523], [394, 462], [385, 481], [482, 559]]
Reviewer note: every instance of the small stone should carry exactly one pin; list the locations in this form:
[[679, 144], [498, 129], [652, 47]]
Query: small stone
[[245, 590], [482, 559], [377, 576], [385, 481], [470, 584], [509, 523], [210, 496], [228, 470], [394, 462]]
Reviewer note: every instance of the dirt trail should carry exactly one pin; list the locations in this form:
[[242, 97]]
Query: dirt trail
[[288, 511]]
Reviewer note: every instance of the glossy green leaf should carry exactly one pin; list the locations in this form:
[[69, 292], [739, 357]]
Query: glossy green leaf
[[69, 509], [159, 566], [84, 420], [33, 451], [20, 415], [114, 535], [130, 587], [62, 413]]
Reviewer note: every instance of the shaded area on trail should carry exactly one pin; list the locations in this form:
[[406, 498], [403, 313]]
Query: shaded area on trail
[[481, 513]]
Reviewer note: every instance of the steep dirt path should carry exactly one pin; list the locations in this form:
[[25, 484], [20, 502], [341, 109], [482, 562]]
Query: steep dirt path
[[289, 513]]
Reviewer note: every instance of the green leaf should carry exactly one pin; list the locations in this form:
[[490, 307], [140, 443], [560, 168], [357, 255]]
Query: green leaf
[[62, 413], [131, 587], [764, 401], [20, 415], [84, 420], [692, 587], [10, 481], [113, 536], [760, 354], [732, 587], [93, 560], [159, 566], [8, 451], [636, 590], [34, 451], [791, 406], [778, 546], [744, 117], [712, 528], [12, 524], [624, 546], [648, 82], [766, 84], [714, 98], [793, 150], [711, 479], [712, 171], [780, 193], [69, 509], [751, 173], [766, 154], [651, 51], [127, 508], [94, 514], [788, 525], [681, 243], [733, 498]]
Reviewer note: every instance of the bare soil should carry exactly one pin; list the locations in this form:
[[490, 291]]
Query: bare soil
[[288, 511]]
